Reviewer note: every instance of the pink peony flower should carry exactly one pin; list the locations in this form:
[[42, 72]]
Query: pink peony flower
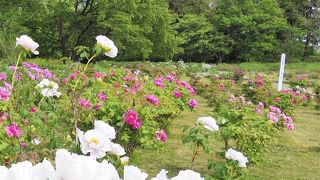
[[261, 105], [290, 126], [305, 98], [34, 109], [99, 75], [3, 76], [193, 103], [97, 107], [289, 119], [171, 77], [4, 94], [159, 82], [85, 103], [47, 74], [177, 94], [23, 145], [137, 125], [102, 96], [65, 80], [131, 117], [272, 116], [74, 75], [221, 87], [153, 99], [161, 135], [275, 109], [14, 130]]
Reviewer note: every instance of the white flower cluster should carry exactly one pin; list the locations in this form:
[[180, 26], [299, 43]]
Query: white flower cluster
[[237, 156], [97, 141], [182, 65], [206, 67], [78, 167], [48, 88], [27, 44], [209, 123]]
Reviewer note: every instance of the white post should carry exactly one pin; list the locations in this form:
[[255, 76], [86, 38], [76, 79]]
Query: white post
[[283, 61]]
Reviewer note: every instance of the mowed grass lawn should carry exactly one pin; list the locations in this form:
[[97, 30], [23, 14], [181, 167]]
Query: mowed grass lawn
[[295, 155]]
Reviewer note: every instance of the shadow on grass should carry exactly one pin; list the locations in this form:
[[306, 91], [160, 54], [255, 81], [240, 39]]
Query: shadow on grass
[[314, 148]]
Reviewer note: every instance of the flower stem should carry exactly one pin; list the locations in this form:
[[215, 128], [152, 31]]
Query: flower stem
[[84, 71], [15, 70]]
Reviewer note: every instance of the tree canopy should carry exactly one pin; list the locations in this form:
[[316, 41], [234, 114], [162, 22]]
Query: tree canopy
[[191, 30]]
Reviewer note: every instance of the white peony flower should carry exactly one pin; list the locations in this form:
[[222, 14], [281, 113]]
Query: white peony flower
[[22, 170], [49, 88], [105, 128], [44, 171], [161, 176], [76, 167], [238, 156], [117, 149], [209, 123], [28, 44], [107, 45], [188, 175], [133, 173], [3, 172], [94, 142]]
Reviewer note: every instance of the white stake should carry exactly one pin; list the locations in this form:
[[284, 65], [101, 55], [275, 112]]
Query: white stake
[[283, 61]]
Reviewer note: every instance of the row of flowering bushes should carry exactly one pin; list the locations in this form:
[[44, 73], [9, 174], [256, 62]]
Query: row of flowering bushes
[[249, 115], [103, 113]]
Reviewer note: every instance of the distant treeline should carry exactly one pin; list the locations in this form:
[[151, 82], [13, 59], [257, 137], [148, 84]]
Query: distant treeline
[[210, 31]]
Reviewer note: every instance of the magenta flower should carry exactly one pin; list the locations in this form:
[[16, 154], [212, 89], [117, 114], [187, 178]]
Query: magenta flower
[[272, 116], [74, 75], [97, 107], [3, 76], [65, 80], [221, 87], [289, 119], [131, 117], [153, 99], [275, 109], [34, 109], [177, 94], [23, 145], [137, 125], [193, 103], [14, 130], [159, 82], [261, 105], [171, 77], [47, 74], [85, 103], [290, 126], [99, 75], [102, 96], [161, 135], [4, 94]]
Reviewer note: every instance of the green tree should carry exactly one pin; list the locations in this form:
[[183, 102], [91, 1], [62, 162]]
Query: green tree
[[200, 41], [255, 27]]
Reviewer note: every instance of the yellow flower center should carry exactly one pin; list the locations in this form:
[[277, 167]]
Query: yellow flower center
[[95, 141]]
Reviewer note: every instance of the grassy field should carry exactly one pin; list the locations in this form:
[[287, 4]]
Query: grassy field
[[296, 154]]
